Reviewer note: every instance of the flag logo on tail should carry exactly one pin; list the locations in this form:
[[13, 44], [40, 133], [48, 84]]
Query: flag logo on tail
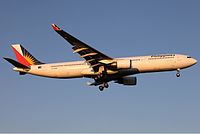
[[23, 56]]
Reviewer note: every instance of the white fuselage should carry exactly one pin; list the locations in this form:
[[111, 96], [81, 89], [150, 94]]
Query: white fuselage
[[142, 64]]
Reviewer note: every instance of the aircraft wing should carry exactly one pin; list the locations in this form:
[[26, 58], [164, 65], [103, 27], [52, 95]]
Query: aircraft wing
[[91, 55]]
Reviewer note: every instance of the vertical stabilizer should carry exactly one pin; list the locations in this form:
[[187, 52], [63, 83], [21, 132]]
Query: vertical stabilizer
[[23, 56]]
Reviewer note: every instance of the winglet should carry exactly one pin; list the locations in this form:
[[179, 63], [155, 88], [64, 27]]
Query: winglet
[[56, 28]]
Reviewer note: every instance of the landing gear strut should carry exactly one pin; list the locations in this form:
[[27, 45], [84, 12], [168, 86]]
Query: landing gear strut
[[106, 85], [178, 73], [101, 78]]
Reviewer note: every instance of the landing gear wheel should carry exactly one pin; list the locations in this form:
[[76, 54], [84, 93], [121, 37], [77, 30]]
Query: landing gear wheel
[[178, 74], [95, 78], [101, 88], [98, 77], [106, 85], [101, 75]]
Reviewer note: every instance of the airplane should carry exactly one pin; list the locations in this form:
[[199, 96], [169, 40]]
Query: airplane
[[96, 65]]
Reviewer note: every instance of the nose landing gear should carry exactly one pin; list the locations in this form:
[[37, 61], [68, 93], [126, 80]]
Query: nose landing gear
[[178, 73]]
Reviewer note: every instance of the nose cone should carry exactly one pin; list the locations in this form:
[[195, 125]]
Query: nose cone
[[194, 61]]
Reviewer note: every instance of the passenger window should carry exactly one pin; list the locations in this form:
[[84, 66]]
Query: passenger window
[[39, 67]]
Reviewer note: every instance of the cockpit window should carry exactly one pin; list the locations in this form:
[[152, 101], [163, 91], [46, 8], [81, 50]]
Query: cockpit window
[[189, 57]]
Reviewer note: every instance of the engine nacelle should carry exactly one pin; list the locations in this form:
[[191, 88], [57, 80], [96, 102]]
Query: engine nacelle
[[127, 81], [122, 64]]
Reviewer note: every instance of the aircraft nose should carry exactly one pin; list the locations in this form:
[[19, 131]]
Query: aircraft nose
[[194, 61]]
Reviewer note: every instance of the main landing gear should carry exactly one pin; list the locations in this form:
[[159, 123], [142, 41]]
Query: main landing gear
[[104, 85], [102, 78], [178, 73]]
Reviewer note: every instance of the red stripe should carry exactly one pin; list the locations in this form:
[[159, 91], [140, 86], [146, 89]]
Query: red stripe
[[20, 58], [55, 27]]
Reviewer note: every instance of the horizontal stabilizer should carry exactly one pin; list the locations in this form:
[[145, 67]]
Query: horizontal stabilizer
[[16, 64]]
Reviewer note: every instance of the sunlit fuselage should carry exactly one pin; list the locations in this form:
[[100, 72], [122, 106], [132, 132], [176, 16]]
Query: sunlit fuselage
[[140, 64]]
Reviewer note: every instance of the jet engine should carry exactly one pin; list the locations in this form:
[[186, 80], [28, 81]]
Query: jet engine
[[127, 81]]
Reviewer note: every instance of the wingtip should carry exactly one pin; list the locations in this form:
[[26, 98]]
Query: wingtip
[[5, 58], [56, 28]]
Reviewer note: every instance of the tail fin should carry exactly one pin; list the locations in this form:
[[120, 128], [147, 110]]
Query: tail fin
[[23, 56]]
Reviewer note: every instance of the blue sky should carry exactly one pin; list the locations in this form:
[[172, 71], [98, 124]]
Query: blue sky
[[159, 103]]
